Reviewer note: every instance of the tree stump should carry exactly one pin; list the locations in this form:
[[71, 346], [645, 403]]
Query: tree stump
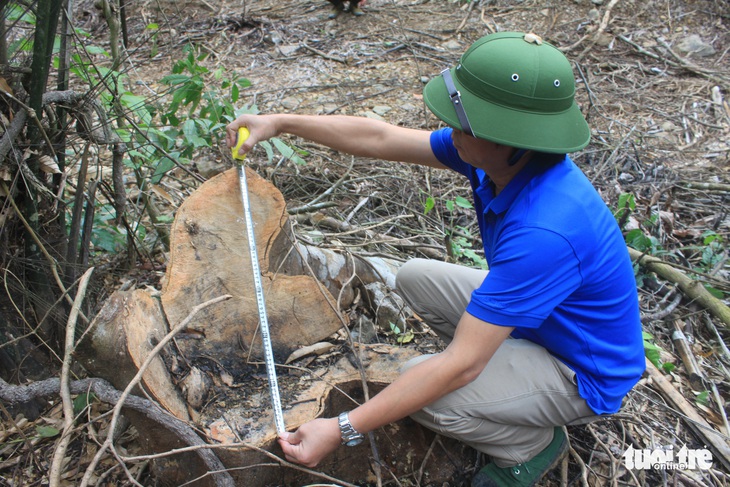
[[212, 374], [209, 257]]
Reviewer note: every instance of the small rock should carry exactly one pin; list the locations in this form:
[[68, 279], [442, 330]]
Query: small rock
[[288, 49], [209, 166], [453, 45], [381, 109], [272, 38], [329, 108], [597, 2], [290, 103], [694, 45], [625, 177], [374, 116], [669, 126], [593, 15], [364, 330]]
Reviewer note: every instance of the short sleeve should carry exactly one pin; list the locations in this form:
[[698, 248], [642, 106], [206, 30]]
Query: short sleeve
[[531, 274], [444, 150]]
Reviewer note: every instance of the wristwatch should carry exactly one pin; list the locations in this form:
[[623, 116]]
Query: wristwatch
[[350, 436]]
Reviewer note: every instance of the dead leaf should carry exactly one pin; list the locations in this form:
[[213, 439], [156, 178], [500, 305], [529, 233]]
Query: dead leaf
[[4, 86], [316, 349], [48, 165], [159, 191], [226, 378]]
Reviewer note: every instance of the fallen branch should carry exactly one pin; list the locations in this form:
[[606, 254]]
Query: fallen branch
[[697, 423], [106, 393], [430, 251], [681, 345], [719, 187], [240, 444], [692, 288], [689, 66], [469, 8], [601, 29], [324, 55]]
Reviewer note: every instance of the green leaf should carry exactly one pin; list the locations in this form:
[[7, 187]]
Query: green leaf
[[450, 206], [83, 401], [653, 356], [627, 200], [47, 431], [97, 50], [175, 79], [164, 165], [406, 337], [107, 237], [235, 93], [703, 398], [429, 205], [668, 367], [286, 151], [14, 13], [710, 237], [269, 150], [715, 292], [463, 202], [637, 240]]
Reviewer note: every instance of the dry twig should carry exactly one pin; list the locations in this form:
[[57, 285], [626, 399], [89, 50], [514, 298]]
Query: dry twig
[[68, 410]]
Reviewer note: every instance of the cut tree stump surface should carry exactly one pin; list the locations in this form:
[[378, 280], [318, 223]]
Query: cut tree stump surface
[[210, 257]]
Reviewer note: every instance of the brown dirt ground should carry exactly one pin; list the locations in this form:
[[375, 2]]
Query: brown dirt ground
[[655, 129]]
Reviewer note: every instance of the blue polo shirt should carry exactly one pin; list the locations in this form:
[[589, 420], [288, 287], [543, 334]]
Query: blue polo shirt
[[559, 272]]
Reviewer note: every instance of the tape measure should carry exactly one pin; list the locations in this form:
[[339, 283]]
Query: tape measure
[[243, 134]]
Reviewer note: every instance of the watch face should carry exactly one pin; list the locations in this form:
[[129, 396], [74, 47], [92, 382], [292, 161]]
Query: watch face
[[354, 442]]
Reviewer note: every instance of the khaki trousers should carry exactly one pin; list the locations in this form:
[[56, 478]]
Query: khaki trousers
[[510, 410]]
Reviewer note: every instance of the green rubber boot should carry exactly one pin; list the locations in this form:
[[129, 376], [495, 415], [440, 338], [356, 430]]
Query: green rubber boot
[[525, 474]]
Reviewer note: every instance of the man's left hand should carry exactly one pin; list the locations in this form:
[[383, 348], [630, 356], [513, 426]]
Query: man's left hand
[[311, 442]]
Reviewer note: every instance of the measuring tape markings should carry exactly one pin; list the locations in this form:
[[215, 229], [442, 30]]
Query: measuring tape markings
[[260, 301]]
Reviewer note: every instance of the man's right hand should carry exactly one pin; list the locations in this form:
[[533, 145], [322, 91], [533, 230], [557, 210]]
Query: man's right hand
[[260, 127]]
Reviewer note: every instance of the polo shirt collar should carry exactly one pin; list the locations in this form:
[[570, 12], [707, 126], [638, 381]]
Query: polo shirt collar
[[507, 196]]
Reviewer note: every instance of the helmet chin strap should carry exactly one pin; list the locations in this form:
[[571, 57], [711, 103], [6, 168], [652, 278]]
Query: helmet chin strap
[[516, 156]]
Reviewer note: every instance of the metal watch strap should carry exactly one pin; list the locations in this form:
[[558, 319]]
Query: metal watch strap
[[349, 435]]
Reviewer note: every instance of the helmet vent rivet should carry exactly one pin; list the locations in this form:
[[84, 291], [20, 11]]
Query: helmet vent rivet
[[556, 83], [515, 77]]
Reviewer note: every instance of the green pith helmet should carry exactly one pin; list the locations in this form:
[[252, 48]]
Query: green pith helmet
[[516, 90]]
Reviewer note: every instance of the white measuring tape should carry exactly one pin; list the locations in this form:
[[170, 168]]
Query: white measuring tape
[[263, 319]]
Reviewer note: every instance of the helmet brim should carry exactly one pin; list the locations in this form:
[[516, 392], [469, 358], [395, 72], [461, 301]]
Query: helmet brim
[[562, 132]]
